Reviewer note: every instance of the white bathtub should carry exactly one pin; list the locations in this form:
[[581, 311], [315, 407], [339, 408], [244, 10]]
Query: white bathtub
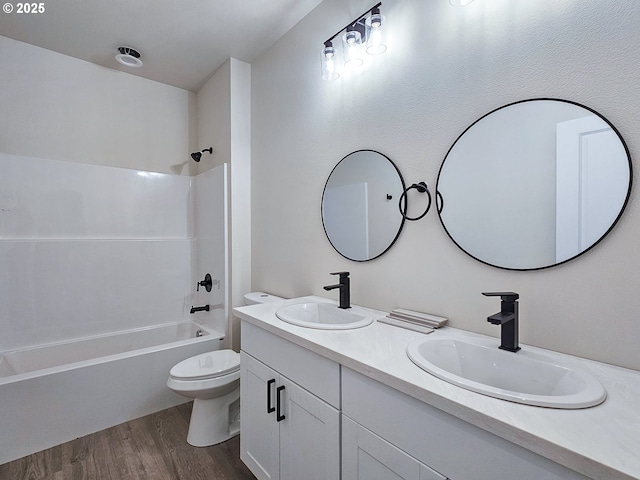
[[54, 393]]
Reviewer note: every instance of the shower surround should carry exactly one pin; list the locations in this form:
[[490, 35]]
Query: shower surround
[[89, 250]]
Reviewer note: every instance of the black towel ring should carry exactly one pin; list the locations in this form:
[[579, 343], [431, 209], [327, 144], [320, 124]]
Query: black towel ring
[[422, 188]]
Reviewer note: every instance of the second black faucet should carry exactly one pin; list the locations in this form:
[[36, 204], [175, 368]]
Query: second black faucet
[[507, 318], [345, 295]]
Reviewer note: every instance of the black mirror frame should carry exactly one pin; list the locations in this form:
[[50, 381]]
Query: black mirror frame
[[613, 224], [403, 216]]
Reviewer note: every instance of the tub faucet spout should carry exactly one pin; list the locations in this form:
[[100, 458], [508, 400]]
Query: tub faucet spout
[[193, 310]]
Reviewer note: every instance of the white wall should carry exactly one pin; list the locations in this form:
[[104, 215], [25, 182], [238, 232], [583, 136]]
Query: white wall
[[240, 121], [86, 247], [62, 108], [211, 246], [445, 67], [90, 249], [224, 123], [214, 110]]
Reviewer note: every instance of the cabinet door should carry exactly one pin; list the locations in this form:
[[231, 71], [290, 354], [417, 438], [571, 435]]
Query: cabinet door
[[309, 436], [259, 437], [366, 456]]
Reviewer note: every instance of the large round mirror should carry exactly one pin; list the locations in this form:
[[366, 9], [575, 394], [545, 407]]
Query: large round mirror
[[534, 184], [360, 205]]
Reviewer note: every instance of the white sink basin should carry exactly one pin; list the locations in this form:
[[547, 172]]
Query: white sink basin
[[325, 316], [523, 377]]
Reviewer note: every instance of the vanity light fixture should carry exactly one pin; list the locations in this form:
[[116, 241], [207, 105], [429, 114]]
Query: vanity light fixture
[[460, 3], [365, 29]]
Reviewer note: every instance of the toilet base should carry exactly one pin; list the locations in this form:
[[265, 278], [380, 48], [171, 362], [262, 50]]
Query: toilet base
[[214, 420]]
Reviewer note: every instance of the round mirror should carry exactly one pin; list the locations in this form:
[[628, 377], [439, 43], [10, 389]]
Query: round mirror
[[534, 184], [360, 205]]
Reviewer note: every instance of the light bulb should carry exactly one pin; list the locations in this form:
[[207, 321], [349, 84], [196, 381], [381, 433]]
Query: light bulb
[[351, 43], [328, 62], [375, 41]]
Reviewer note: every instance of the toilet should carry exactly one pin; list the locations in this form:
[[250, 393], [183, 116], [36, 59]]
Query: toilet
[[213, 380]]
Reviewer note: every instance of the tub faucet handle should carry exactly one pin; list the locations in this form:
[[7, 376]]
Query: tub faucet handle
[[207, 283]]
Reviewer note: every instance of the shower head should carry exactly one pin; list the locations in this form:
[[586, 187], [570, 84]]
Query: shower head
[[198, 155]]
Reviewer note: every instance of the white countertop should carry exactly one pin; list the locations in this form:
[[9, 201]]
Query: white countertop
[[601, 442]]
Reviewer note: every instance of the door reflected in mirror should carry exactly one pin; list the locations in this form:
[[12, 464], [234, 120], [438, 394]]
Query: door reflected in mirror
[[360, 205], [534, 184]]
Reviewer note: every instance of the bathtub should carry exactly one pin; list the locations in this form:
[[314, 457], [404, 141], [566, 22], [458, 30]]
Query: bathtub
[[54, 393]]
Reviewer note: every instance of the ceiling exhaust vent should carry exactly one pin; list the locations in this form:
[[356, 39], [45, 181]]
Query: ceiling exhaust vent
[[128, 57]]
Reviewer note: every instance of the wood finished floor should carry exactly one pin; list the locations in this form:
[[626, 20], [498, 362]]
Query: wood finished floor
[[149, 448]]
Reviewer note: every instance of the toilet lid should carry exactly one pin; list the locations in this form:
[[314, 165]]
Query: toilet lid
[[207, 365]]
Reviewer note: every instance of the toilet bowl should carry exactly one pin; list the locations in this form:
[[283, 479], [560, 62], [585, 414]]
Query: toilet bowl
[[213, 380]]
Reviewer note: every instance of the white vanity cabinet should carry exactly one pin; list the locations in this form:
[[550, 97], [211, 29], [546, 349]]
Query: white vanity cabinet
[[402, 434], [357, 408], [290, 418]]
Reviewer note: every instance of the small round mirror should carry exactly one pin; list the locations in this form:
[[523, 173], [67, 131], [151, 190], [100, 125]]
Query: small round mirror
[[360, 205], [534, 184]]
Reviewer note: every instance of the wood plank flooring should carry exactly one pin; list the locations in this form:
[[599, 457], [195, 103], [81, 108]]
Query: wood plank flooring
[[149, 448]]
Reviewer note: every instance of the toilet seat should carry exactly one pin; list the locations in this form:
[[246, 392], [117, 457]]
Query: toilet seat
[[207, 365]]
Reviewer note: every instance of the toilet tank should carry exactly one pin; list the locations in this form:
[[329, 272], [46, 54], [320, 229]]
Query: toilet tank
[[254, 298]]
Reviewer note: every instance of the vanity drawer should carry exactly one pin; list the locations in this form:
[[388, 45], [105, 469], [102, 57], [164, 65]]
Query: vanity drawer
[[311, 371]]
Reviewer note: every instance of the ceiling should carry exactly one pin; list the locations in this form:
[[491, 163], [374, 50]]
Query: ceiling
[[181, 42]]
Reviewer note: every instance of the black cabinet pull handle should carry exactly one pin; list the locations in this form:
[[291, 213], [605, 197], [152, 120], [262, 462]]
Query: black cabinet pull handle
[[270, 409], [279, 416]]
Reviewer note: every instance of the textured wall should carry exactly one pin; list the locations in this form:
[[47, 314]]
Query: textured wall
[[445, 67], [214, 126]]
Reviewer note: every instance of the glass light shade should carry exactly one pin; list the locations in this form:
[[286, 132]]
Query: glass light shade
[[376, 42], [460, 3], [352, 46], [329, 63]]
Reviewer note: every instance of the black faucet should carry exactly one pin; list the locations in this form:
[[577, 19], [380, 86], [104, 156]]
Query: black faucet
[[207, 283], [345, 295], [507, 318], [193, 310]]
